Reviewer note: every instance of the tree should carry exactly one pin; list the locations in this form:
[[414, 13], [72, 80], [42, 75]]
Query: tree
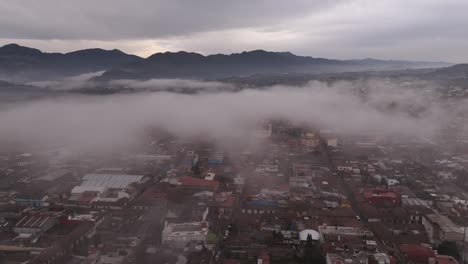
[[449, 248]]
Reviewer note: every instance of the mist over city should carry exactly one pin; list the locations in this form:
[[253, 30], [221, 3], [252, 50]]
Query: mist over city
[[233, 132]]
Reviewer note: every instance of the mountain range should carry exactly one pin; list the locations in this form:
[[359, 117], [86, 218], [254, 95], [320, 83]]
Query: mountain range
[[18, 63]]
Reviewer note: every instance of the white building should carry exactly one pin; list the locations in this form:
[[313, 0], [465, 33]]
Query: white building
[[104, 187], [180, 234], [391, 181]]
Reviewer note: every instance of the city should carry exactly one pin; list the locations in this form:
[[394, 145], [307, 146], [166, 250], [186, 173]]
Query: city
[[306, 195], [233, 132]]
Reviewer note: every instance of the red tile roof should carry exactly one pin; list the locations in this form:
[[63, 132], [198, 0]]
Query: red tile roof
[[417, 253]]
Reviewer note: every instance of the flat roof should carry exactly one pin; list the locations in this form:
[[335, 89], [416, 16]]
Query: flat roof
[[445, 223], [117, 181]]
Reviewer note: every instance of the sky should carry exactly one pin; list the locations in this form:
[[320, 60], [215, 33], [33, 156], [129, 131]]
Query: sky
[[425, 30]]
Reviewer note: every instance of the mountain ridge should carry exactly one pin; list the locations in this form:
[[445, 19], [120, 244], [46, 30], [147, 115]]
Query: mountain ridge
[[23, 63], [19, 63], [184, 64]]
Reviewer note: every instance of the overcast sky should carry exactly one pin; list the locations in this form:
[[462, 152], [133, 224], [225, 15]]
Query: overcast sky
[[343, 29]]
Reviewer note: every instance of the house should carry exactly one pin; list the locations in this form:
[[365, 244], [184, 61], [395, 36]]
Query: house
[[192, 183]]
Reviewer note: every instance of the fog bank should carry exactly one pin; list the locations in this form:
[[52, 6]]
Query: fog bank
[[116, 120]]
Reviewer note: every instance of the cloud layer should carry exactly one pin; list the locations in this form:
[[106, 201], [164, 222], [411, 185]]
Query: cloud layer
[[105, 122]]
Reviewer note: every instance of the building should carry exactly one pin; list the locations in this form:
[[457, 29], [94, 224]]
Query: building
[[440, 228], [391, 181], [32, 198], [105, 187], [305, 234], [86, 193], [180, 234], [332, 141], [263, 130], [216, 158], [442, 259], [343, 231], [111, 180], [344, 167], [345, 258], [192, 183], [417, 254], [239, 182], [35, 223], [382, 198], [310, 141]]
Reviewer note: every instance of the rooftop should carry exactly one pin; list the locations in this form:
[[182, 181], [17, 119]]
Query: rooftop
[[445, 223], [33, 221], [192, 181], [118, 181]]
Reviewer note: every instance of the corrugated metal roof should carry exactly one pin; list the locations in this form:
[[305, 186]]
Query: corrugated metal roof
[[414, 202], [33, 221]]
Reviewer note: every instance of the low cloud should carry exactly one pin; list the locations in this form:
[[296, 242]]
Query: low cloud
[[68, 83], [175, 85], [107, 122]]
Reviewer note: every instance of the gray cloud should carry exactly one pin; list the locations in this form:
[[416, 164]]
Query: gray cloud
[[120, 19], [391, 29]]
